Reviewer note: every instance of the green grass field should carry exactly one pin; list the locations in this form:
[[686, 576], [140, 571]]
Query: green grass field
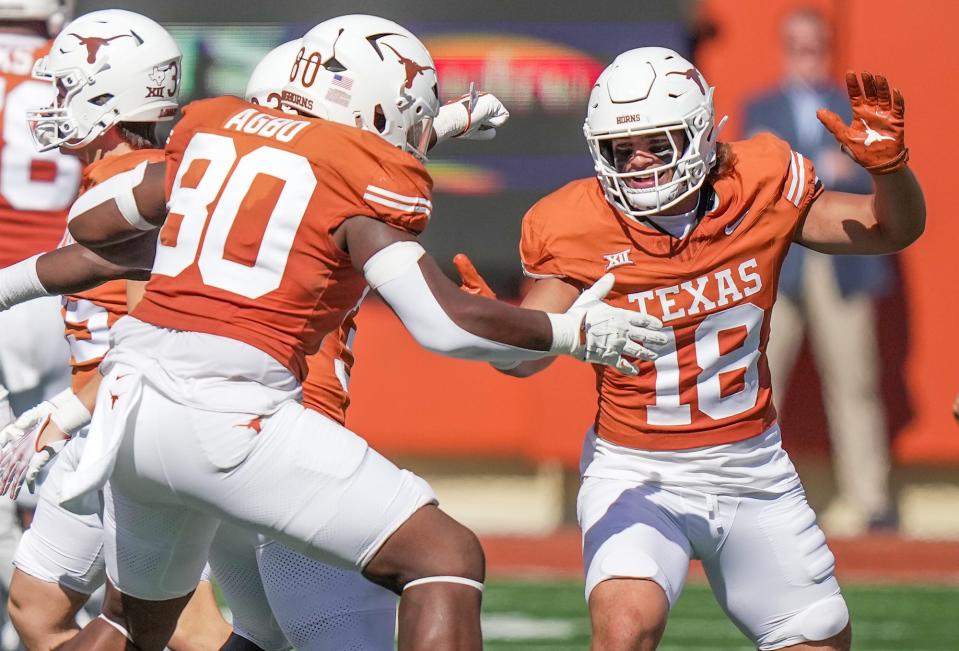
[[551, 615]]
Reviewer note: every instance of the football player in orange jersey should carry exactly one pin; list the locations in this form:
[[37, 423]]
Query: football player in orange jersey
[[319, 606], [685, 459], [50, 584], [366, 197]]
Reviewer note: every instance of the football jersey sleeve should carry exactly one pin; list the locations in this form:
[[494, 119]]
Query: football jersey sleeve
[[378, 180], [773, 178], [801, 187], [534, 250]]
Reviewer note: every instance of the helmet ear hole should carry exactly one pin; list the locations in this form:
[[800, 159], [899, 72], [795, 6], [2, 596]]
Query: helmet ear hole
[[379, 119]]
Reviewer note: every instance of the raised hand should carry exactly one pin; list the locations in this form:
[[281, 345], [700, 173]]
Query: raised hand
[[875, 139], [474, 116]]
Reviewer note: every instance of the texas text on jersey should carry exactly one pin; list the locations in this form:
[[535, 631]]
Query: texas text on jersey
[[710, 384], [265, 270]]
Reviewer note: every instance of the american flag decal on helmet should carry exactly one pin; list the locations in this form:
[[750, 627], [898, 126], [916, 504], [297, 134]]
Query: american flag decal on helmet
[[343, 82]]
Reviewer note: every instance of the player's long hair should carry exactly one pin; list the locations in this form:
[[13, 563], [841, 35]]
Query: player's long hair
[[725, 161]]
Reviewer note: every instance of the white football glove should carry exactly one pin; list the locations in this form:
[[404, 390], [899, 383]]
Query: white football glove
[[6, 414], [610, 332], [474, 117], [19, 459]]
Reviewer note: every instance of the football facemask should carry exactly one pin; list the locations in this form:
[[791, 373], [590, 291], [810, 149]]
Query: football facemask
[[656, 94]]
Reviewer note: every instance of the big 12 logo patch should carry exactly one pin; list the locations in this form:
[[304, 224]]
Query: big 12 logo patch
[[165, 78]]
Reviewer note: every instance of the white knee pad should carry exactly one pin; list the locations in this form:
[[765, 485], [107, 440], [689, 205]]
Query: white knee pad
[[444, 579], [820, 621]]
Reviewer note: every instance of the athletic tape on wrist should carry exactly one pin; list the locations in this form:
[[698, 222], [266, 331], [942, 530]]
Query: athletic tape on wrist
[[71, 414], [450, 122], [566, 328], [20, 283]]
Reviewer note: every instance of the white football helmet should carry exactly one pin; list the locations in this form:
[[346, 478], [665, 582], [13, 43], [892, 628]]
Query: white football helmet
[[652, 90], [108, 66], [271, 74], [367, 72], [54, 12]]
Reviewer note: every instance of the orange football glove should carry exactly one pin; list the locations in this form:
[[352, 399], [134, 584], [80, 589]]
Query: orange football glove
[[473, 282], [875, 139]]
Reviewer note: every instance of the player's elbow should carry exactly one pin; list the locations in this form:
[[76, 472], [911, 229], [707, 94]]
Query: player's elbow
[[88, 231], [906, 236], [98, 269], [527, 368]]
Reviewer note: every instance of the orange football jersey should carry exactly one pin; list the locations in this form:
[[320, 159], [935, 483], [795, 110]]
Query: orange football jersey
[[36, 189], [255, 195], [713, 290], [88, 316], [327, 387]]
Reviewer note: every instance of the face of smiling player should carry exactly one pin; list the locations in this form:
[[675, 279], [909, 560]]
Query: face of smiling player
[[648, 160]]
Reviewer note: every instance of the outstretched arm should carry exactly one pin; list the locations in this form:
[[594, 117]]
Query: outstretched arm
[[444, 319], [549, 295], [895, 216], [116, 221], [68, 270]]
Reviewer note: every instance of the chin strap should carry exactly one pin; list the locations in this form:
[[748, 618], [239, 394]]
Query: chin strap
[[444, 579]]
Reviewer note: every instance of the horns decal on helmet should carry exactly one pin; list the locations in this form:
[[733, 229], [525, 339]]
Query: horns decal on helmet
[[693, 75], [412, 67], [94, 43]]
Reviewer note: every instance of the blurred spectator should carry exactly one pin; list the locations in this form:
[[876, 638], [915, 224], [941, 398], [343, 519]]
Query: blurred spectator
[[831, 298]]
